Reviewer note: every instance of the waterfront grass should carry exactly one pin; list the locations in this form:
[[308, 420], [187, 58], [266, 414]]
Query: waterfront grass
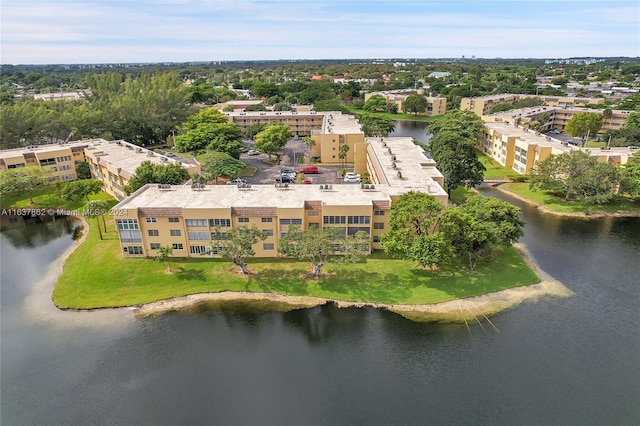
[[555, 203], [45, 196], [494, 169], [97, 276]]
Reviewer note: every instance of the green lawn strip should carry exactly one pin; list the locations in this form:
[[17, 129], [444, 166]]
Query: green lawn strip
[[553, 202], [249, 171], [459, 194], [494, 169], [45, 196], [96, 275]]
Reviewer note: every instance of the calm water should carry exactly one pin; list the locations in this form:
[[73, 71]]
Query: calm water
[[414, 129], [573, 361]]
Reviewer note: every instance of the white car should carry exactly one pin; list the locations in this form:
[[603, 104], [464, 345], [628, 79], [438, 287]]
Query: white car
[[253, 152], [352, 178]]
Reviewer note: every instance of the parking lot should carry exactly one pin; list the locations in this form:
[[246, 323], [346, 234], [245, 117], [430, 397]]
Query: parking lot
[[267, 173]]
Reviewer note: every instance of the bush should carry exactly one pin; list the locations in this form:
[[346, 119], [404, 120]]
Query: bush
[[520, 178]]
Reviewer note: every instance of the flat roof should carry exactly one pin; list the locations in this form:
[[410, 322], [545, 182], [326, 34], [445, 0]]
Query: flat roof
[[332, 121], [53, 147]]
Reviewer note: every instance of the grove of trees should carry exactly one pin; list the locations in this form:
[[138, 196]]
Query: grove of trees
[[148, 172]]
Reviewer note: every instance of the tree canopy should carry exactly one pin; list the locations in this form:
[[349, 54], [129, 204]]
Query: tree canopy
[[273, 138], [583, 124], [321, 246], [21, 180], [148, 172], [209, 129], [415, 104], [376, 125], [376, 103], [236, 244], [576, 175], [79, 189], [215, 164]]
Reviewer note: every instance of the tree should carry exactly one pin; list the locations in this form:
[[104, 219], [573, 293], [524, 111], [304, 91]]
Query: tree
[[252, 130], [323, 245], [375, 103], [148, 172], [79, 189], [413, 230], [576, 175], [273, 138], [97, 208], [20, 180], [464, 234], [415, 104], [342, 153], [83, 171], [457, 159], [256, 107], [209, 129], [163, 256], [632, 121], [236, 244], [630, 177], [215, 164], [501, 219], [583, 124], [377, 126]]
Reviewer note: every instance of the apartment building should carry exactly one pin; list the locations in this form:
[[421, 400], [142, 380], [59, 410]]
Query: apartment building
[[482, 105], [520, 148], [435, 105], [556, 118], [186, 218], [111, 162]]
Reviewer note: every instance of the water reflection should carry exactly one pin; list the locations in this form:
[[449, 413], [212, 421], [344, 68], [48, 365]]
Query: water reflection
[[34, 231]]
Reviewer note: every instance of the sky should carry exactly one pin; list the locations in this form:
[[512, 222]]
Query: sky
[[126, 31]]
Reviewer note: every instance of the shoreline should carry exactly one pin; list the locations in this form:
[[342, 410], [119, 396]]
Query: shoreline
[[457, 310], [578, 215]]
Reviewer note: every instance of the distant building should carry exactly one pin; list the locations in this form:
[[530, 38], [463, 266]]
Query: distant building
[[482, 105], [435, 105], [439, 74]]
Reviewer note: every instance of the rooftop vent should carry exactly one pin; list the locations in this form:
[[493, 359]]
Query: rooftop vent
[[164, 186]]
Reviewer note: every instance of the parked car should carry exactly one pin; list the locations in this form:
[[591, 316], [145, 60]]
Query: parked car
[[633, 148], [285, 179], [307, 181], [289, 173], [236, 181], [352, 178], [253, 152], [309, 170]]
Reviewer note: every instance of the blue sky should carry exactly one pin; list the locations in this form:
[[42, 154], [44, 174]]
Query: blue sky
[[105, 31]]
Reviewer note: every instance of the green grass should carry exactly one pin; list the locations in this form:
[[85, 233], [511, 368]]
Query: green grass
[[96, 275], [594, 144], [553, 202], [459, 194], [46, 196], [249, 171], [494, 169]]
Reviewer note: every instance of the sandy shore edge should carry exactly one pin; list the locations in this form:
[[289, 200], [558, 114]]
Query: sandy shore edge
[[544, 209], [458, 310]]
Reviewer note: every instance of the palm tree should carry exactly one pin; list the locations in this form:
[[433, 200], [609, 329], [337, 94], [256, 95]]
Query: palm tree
[[163, 256], [97, 208], [342, 154]]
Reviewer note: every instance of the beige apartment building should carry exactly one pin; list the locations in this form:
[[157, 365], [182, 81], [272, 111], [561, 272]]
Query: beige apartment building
[[482, 105], [186, 218], [520, 148], [435, 105], [111, 162]]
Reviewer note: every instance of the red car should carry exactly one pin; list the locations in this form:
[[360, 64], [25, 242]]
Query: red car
[[309, 170]]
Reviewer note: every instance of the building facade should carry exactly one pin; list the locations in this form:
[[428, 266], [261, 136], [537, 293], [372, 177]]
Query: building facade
[[482, 105], [435, 105], [188, 218]]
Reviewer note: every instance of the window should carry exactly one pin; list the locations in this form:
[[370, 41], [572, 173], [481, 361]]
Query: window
[[130, 236], [151, 220], [378, 212], [219, 236], [155, 246], [283, 234], [354, 220], [376, 238], [153, 232], [198, 249], [133, 250], [267, 219], [332, 220], [196, 223], [223, 223], [201, 236], [175, 233], [48, 162], [290, 222], [177, 246], [355, 229], [378, 226], [313, 213], [268, 232], [127, 223], [174, 220], [268, 246], [243, 220]]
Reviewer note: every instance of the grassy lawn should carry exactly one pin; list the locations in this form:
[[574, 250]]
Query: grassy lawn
[[96, 275], [46, 196], [494, 169], [249, 171], [552, 202]]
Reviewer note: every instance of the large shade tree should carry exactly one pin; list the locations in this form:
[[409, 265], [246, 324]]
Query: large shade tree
[[273, 138], [415, 104], [148, 172], [215, 164], [209, 129], [584, 124], [236, 244], [22, 180], [376, 125]]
